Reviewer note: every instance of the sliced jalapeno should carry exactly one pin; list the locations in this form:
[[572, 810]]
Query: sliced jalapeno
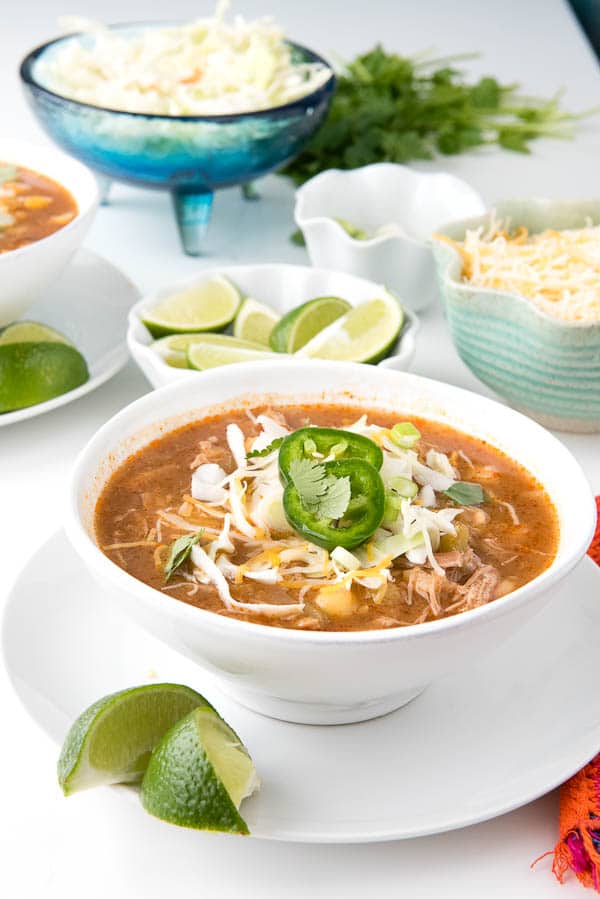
[[363, 514], [317, 444]]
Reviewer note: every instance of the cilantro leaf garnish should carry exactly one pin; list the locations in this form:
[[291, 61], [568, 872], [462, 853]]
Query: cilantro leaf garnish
[[466, 494], [258, 454], [321, 494], [179, 551]]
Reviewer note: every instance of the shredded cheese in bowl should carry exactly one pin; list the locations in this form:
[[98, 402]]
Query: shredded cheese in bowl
[[559, 271], [206, 67]]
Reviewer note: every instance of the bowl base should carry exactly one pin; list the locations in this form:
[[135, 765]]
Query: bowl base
[[192, 207], [299, 712]]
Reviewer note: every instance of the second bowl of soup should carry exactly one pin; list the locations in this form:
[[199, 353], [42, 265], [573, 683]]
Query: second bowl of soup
[[328, 551], [47, 204]]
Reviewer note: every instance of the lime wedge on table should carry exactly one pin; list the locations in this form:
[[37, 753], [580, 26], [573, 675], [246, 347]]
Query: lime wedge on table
[[254, 322], [299, 325], [31, 332], [199, 774], [32, 373], [365, 334], [112, 740], [173, 349], [207, 355], [208, 306]]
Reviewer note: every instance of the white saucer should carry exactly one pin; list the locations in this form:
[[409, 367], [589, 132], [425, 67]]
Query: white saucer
[[89, 303], [474, 746]]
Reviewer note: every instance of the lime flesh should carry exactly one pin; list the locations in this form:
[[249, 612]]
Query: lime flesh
[[112, 740], [173, 349], [31, 332], [365, 334], [199, 774], [208, 306], [206, 355], [31, 373], [299, 325], [254, 322]]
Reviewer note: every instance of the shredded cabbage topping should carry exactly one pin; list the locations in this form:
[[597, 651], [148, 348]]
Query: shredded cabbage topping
[[206, 67], [246, 506]]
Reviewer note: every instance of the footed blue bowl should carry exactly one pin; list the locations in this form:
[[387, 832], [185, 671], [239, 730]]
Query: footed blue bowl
[[190, 156]]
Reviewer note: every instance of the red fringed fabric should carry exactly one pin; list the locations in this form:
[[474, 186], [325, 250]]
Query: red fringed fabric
[[578, 847]]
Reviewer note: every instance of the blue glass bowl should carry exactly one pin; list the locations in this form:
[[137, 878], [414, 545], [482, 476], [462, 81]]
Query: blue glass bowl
[[190, 156]]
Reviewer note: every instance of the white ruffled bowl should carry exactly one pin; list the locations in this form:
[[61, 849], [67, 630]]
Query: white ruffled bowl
[[282, 287], [382, 194]]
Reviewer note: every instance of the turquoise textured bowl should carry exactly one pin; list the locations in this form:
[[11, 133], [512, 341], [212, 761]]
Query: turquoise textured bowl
[[543, 366]]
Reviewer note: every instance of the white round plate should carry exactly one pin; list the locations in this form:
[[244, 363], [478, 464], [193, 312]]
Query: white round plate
[[474, 746], [89, 303]]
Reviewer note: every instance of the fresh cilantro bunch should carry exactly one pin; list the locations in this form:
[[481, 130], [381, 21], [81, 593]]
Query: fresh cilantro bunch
[[390, 108]]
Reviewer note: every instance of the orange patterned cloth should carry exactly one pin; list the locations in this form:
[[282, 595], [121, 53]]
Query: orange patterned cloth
[[578, 847]]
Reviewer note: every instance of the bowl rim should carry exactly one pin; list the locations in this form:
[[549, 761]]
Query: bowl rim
[[27, 77], [363, 245], [408, 332], [452, 256], [82, 214], [86, 545]]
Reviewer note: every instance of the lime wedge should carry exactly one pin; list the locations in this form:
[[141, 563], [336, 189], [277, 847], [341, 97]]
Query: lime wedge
[[299, 325], [365, 334], [207, 355], [254, 322], [31, 332], [208, 306], [32, 373], [173, 349], [199, 774], [112, 740]]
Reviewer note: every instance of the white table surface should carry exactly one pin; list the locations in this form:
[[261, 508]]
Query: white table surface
[[96, 844]]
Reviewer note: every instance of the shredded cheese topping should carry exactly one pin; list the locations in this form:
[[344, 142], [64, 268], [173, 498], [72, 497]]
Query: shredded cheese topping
[[558, 270]]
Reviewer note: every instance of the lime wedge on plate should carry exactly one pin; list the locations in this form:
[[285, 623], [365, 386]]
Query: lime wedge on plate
[[208, 306], [201, 355], [199, 774], [32, 373], [31, 332], [112, 740], [173, 349], [299, 325], [365, 334], [254, 322]]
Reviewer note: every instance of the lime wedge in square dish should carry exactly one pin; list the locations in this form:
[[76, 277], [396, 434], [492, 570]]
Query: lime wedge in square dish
[[299, 325], [203, 355], [366, 333], [173, 349], [208, 306], [254, 322]]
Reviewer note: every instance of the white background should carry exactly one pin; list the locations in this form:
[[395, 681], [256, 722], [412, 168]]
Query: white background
[[96, 844]]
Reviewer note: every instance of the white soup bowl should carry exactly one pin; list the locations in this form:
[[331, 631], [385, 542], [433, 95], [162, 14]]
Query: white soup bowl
[[327, 677]]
